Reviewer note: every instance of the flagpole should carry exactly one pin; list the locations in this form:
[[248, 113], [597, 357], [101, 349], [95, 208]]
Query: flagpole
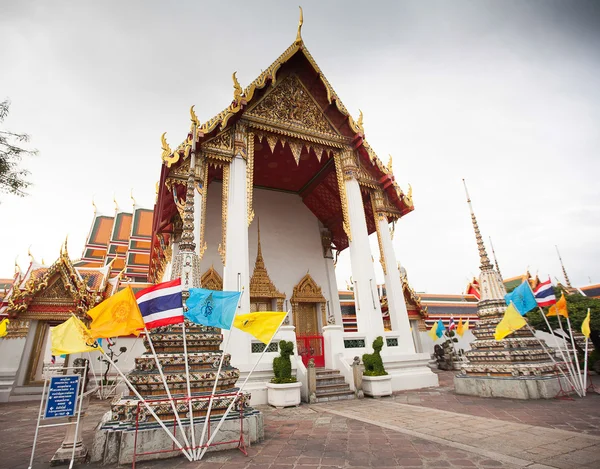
[[562, 353], [551, 357], [575, 354], [571, 363], [240, 389], [160, 370], [567, 362], [207, 419], [585, 366], [189, 392], [137, 394]]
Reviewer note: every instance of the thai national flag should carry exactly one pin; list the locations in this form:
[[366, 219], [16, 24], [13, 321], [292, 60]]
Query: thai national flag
[[544, 294], [162, 304], [451, 324]]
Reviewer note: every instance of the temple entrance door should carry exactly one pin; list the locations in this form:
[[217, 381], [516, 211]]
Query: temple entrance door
[[308, 335]]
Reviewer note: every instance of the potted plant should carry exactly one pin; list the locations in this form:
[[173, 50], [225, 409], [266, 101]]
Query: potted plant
[[376, 382], [284, 389]]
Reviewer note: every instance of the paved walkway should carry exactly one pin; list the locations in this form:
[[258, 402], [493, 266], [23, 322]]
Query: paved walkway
[[432, 428]]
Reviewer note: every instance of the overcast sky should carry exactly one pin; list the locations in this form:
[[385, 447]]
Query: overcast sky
[[503, 93]]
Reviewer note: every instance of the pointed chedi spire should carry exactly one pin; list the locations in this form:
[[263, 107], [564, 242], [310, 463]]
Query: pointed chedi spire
[[490, 282], [495, 259], [563, 268]]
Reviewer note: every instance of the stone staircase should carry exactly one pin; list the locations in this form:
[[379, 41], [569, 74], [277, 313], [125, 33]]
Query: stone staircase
[[331, 386]]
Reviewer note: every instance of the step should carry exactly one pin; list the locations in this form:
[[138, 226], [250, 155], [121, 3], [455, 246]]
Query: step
[[326, 371], [335, 396], [332, 388], [330, 380]]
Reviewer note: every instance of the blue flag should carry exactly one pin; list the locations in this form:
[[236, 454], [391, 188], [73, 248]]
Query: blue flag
[[440, 328], [523, 298], [212, 308]]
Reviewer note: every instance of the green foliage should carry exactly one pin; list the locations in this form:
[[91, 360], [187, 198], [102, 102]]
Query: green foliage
[[282, 365], [12, 178], [373, 362]]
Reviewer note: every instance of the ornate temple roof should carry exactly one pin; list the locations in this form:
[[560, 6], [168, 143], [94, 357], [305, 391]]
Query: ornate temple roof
[[297, 125]]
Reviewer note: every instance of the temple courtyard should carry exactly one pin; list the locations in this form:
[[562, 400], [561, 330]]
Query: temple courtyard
[[429, 428]]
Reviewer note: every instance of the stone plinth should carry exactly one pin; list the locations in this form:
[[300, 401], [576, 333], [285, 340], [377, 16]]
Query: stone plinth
[[529, 387], [114, 442]]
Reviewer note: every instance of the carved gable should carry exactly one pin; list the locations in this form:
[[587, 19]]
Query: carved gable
[[307, 291], [291, 105], [211, 280]]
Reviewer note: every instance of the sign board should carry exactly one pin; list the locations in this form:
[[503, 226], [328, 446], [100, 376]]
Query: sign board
[[62, 396]]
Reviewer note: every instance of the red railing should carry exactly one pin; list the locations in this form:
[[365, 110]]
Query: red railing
[[311, 347]]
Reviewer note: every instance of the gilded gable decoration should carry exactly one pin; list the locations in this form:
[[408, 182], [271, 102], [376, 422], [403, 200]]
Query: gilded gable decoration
[[211, 280], [307, 291], [290, 105]]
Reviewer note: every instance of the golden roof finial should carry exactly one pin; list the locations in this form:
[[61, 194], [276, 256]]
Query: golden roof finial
[[389, 165], [359, 122], [193, 116], [300, 22], [115, 201], [131, 196], [237, 89], [17, 268], [29, 253], [66, 244], [166, 154], [94, 204]]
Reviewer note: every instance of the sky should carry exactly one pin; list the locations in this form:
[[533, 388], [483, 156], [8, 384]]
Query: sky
[[502, 93]]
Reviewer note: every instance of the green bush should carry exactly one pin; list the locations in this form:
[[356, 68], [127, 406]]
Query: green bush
[[282, 366], [373, 362]]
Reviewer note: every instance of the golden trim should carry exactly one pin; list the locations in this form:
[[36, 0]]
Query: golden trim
[[224, 200], [307, 291], [204, 192], [17, 328], [211, 280], [376, 202], [343, 198], [261, 286], [166, 154], [34, 356], [250, 177], [299, 33]]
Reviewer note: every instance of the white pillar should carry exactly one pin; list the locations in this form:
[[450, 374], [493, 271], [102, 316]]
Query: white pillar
[[236, 271], [393, 288], [368, 308], [169, 267]]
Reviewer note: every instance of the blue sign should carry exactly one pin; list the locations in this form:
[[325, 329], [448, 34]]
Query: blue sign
[[62, 396]]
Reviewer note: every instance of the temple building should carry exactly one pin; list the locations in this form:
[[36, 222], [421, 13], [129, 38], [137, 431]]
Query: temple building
[[288, 152], [116, 253]]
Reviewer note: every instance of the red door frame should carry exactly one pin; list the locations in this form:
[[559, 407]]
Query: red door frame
[[311, 346]]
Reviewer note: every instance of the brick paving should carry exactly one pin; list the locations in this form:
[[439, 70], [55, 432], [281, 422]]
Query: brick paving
[[420, 429]]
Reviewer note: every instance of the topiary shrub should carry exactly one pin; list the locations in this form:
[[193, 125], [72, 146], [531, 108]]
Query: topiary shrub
[[373, 362], [282, 366]]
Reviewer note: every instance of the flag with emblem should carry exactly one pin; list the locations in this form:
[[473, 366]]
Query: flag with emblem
[[212, 308], [261, 325], [117, 316], [522, 297], [161, 304], [72, 336]]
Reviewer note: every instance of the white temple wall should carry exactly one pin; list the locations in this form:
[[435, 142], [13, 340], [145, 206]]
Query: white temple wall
[[290, 240], [11, 351]]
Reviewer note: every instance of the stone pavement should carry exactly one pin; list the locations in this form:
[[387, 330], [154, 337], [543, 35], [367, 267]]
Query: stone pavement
[[430, 428]]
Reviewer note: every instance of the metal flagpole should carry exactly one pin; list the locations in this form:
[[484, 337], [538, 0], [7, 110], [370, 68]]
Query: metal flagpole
[[241, 388], [173, 405], [207, 419], [585, 366], [189, 391], [575, 355], [37, 428], [137, 394], [550, 355], [562, 353], [572, 364]]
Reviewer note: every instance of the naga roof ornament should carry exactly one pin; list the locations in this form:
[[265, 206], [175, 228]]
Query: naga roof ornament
[[299, 33]]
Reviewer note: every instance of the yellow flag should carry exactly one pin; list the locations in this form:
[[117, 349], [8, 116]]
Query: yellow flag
[[585, 325], [72, 337], [460, 328], [466, 326], [117, 316], [263, 325], [560, 307], [3, 326], [433, 332], [511, 322]]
